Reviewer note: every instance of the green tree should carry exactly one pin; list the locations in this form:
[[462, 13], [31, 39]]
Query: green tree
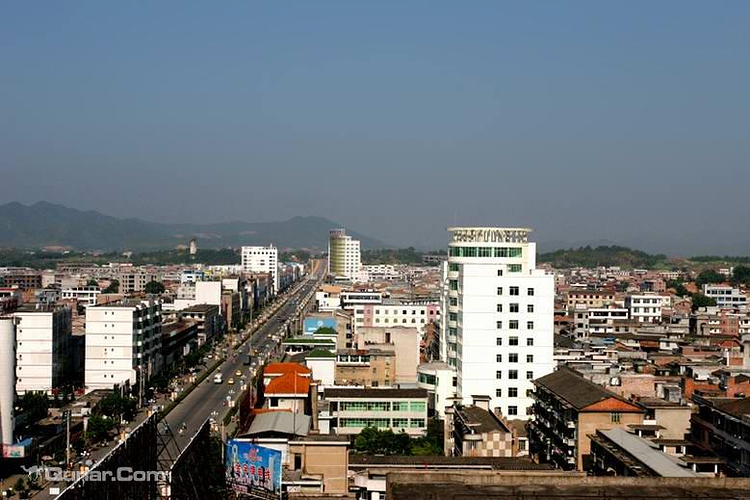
[[114, 287], [709, 276], [114, 406], [35, 405], [700, 300], [678, 287], [98, 428], [154, 287], [741, 275], [92, 282], [374, 441]]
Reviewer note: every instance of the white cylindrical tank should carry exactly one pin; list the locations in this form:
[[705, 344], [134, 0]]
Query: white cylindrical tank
[[7, 378]]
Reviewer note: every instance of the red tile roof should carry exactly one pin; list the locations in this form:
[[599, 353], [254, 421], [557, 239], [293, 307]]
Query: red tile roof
[[289, 383]]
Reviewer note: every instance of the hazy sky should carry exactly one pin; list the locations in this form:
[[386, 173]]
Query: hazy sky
[[625, 121]]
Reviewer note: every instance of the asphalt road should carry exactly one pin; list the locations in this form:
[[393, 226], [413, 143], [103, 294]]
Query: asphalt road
[[210, 399]]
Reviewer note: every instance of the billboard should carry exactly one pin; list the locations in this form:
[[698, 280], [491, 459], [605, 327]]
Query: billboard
[[312, 324], [253, 469]]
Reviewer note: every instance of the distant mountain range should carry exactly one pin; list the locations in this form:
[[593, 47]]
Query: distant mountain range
[[45, 224]]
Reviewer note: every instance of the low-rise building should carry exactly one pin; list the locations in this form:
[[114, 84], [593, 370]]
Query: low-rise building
[[474, 431], [722, 426], [208, 318], [725, 296], [365, 367], [86, 295], [352, 409]]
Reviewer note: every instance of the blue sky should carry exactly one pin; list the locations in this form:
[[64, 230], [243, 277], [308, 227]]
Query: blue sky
[[620, 121]]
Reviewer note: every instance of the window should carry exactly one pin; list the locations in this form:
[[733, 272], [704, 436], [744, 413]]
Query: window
[[453, 301], [485, 251], [529, 342], [530, 308], [513, 357], [512, 410], [615, 417], [513, 374], [452, 316], [530, 291], [512, 392], [453, 267], [514, 290], [499, 325], [529, 325], [498, 374], [499, 272], [417, 406], [529, 375], [514, 308], [514, 268], [499, 341], [513, 341], [513, 324], [417, 422], [498, 358], [499, 308], [498, 393], [499, 290], [453, 284], [529, 358], [400, 423]]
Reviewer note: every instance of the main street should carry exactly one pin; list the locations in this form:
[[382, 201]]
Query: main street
[[210, 399]]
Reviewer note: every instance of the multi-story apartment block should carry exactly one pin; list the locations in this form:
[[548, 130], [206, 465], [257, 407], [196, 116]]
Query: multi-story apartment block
[[134, 281], [25, 279], [392, 312], [725, 296], [257, 259], [352, 409], [567, 409], [123, 343], [404, 341], [344, 258], [590, 299], [43, 343], [87, 295], [645, 308], [602, 320], [365, 367], [498, 317], [475, 431], [722, 426], [208, 318]]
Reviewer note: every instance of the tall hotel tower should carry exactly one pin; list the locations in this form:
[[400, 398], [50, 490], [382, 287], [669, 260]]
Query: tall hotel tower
[[498, 316]]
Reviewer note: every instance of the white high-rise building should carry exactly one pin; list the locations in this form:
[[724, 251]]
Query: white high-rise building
[[498, 322], [43, 336], [344, 257], [262, 260], [122, 340]]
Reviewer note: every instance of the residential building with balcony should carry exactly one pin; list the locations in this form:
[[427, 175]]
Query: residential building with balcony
[[208, 318], [344, 257], [259, 259], [569, 408], [645, 308], [722, 427], [366, 367], [439, 380], [86, 295]]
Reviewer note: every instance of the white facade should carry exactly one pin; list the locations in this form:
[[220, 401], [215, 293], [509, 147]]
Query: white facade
[[439, 379], [42, 341], [122, 340], [725, 296], [7, 379], [498, 319], [344, 257], [645, 308], [262, 260], [85, 294]]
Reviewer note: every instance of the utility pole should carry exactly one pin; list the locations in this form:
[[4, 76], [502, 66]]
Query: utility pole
[[66, 415]]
